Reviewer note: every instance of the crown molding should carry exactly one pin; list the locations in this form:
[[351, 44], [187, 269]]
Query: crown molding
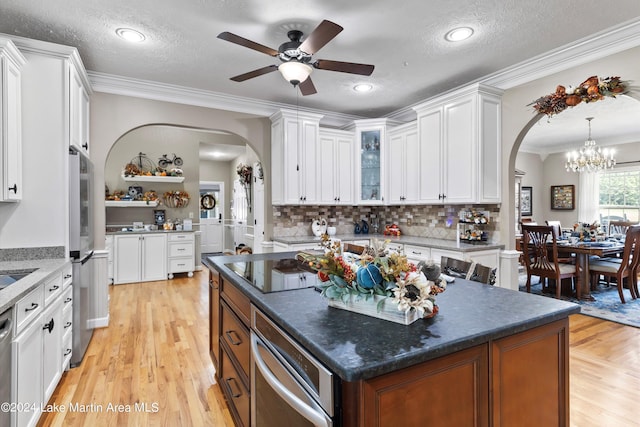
[[596, 46], [117, 85]]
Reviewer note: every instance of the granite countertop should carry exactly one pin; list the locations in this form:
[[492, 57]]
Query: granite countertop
[[118, 230], [408, 240], [14, 292], [358, 347]]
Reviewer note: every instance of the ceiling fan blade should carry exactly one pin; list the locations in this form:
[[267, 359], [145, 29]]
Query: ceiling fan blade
[[344, 67], [247, 43], [255, 73], [307, 87], [319, 37]]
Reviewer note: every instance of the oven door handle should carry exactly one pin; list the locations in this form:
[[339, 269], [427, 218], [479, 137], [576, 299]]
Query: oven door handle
[[302, 408]]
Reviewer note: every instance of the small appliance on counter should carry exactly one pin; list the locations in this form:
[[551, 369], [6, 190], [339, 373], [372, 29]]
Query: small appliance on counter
[[159, 217]]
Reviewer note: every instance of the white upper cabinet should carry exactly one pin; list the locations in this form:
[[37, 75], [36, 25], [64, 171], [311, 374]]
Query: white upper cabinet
[[78, 112], [459, 138], [11, 62], [404, 165], [294, 157], [335, 169], [370, 161]]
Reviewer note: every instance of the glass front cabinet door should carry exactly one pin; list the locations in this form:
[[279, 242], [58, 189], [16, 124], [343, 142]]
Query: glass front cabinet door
[[370, 137]]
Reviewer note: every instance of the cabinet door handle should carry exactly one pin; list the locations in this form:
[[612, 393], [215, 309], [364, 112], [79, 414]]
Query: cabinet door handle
[[49, 325], [14, 188], [33, 307], [67, 325], [416, 252], [54, 288], [235, 340], [67, 276], [85, 145], [68, 352], [181, 249], [68, 300], [235, 394]]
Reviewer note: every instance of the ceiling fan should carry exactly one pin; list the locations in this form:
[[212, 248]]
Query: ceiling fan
[[297, 57]]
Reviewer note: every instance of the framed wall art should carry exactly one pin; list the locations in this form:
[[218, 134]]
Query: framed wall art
[[526, 205], [563, 197]]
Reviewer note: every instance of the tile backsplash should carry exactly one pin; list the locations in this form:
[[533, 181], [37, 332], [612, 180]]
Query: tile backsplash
[[436, 221]]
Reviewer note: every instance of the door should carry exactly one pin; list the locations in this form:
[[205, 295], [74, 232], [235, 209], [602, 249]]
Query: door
[[211, 216]]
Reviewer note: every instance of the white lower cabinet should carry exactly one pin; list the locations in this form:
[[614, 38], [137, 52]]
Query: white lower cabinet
[[27, 387], [140, 257], [38, 346], [52, 330], [181, 253]]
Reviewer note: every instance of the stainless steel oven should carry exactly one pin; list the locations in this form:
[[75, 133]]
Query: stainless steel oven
[[289, 387]]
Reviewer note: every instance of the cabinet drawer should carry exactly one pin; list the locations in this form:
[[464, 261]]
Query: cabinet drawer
[[395, 247], [181, 237], [236, 300], [236, 393], [67, 348], [181, 249], [417, 252], [180, 265], [52, 288], [67, 299], [236, 336], [67, 276], [28, 308], [67, 320]]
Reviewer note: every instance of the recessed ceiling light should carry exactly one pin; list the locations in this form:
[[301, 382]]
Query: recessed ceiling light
[[363, 87], [459, 34], [130, 35]]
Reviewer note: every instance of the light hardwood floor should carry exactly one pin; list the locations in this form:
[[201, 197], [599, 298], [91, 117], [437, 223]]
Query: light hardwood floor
[[155, 352]]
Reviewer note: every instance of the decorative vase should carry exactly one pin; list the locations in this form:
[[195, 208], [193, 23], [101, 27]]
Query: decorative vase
[[369, 307]]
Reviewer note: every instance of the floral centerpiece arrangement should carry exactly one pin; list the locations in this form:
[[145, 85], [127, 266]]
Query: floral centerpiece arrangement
[[245, 172], [587, 232], [377, 277]]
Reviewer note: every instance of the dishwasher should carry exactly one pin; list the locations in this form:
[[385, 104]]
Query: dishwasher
[[5, 365]]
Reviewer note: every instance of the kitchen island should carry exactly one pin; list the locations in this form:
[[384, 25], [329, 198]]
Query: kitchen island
[[491, 356]]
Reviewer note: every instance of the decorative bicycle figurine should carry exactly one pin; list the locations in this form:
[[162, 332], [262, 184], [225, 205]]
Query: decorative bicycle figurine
[[165, 161]]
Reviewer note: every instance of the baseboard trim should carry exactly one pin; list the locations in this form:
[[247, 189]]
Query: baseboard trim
[[100, 322]]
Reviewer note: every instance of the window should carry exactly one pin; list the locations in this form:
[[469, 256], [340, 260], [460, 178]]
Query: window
[[620, 194]]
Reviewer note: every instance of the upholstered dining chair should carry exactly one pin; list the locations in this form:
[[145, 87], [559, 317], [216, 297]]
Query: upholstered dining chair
[[626, 268], [541, 258], [557, 227]]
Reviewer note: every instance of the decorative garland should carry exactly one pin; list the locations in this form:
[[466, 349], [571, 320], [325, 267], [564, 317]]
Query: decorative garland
[[591, 90]]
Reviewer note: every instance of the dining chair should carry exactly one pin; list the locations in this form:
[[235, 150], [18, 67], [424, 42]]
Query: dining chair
[[455, 267], [541, 259], [483, 274], [557, 227], [626, 268], [619, 227]]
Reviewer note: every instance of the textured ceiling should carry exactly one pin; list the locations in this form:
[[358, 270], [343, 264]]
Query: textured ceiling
[[403, 39]]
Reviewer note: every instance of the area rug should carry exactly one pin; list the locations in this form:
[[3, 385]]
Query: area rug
[[606, 306]]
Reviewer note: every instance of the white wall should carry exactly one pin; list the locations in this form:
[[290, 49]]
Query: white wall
[[518, 116], [112, 116]]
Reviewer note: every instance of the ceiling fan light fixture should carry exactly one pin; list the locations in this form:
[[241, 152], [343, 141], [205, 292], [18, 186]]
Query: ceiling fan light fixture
[[295, 72], [459, 34], [363, 87], [130, 35]]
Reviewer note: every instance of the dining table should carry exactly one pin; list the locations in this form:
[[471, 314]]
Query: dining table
[[583, 252]]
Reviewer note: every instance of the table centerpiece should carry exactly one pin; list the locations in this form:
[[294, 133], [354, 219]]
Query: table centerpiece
[[376, 283]]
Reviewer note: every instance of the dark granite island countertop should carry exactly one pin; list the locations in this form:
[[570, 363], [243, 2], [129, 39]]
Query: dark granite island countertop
[[358, 347]]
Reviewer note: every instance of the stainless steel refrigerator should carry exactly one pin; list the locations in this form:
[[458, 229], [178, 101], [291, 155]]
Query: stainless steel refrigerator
[[81, 249]]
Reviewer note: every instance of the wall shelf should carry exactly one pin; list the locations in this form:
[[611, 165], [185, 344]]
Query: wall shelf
[[130, 204], [152, 178]]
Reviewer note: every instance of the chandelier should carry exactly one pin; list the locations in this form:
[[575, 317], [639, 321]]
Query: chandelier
[[590, 157]]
